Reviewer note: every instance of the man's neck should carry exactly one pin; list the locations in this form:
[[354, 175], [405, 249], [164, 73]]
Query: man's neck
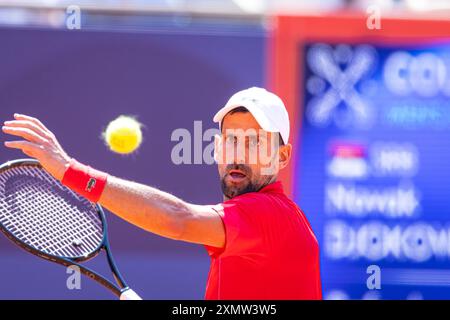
[[270, 179]]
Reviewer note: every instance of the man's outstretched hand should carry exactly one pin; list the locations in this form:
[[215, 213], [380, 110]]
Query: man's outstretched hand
[[40, 143]]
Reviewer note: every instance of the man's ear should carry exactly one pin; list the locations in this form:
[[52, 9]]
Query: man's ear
[[284, 153]]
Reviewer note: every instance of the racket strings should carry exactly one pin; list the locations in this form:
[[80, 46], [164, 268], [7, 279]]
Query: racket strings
[[38, 225], [42, 213], [62, 233]]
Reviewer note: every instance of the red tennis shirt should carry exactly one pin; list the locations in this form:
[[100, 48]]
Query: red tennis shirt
[[270, 251]]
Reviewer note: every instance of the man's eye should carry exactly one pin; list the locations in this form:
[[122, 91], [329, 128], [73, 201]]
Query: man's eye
[[230, 139], [253, 141]]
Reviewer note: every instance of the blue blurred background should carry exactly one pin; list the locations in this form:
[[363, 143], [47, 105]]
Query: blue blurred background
[[370, 119]]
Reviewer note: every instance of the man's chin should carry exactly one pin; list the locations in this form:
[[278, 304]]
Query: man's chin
[[231, 190]]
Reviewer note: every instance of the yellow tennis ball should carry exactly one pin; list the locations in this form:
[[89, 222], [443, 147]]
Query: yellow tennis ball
[[123, 135]]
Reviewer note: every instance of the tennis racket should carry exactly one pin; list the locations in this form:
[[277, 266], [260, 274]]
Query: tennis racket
[[47, 219]]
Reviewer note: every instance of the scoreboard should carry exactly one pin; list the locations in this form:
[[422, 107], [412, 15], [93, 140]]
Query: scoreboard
[[373, 167]]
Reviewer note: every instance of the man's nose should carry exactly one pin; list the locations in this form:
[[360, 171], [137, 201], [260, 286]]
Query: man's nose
[[240, 153]]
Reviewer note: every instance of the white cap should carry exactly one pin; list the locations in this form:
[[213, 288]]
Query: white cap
[[267, 108]]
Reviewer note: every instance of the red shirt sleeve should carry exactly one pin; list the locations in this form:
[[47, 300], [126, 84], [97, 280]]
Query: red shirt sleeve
[[246, 224]]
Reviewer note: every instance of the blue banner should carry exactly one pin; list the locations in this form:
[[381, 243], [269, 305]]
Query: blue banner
[[373, 168]]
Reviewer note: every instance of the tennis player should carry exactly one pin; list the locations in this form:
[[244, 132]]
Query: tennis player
[[260, 242]]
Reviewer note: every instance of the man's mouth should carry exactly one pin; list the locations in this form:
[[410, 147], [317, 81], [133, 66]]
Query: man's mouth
[[236, 176]]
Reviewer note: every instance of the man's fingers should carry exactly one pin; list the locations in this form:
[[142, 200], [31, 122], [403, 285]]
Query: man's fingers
[[37, 122], [25, 133], [29, 148], [29, 125]]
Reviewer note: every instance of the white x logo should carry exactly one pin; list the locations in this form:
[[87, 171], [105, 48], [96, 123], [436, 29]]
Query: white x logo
[[321, 108]]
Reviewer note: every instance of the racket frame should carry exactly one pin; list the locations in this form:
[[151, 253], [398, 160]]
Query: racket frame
[[103, 246]]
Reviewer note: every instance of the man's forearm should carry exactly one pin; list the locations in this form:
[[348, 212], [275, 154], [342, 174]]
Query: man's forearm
[[162, 213], [146, 207]]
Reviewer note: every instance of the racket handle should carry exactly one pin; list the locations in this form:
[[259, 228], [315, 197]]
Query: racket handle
[[129, 294]]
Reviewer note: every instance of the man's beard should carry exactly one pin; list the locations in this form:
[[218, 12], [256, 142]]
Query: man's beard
[[233, 191], [230, 191]]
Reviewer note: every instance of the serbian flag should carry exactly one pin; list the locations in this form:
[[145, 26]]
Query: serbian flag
[[347, 160]]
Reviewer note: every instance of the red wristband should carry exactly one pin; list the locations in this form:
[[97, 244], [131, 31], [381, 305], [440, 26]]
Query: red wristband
[[85, 180]]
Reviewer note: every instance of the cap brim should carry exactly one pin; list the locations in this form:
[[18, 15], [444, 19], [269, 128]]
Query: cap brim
[[222, 112], [260, 117]]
